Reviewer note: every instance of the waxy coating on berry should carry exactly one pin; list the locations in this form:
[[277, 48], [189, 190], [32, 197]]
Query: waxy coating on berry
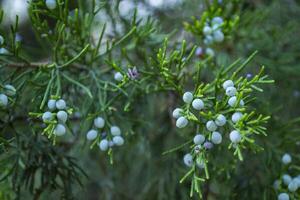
[[51, 104], [231, 91], [198, 104], [210, 52], [60, 130], [118, 140], [207, 30], [177, 113], [211, 126], [91, 134], [51, 4], [62, 116], [187, 97], [3, 100], [60, 104], [47, 116], [221, 120], [199, 139], [286, 159], [227, 84], [218, 36], [99, 122], [236, 117], [217, 20], [286, 179], [283, 196], [188, 160], [293, 186], [10, 90], [181, 122], [103, 145], [115, 130], [232, 101], [216, 137], [118, 76], [208, 145], [235, 136]]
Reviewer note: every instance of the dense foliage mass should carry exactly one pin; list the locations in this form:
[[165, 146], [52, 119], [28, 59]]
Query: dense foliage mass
[[149, 99]]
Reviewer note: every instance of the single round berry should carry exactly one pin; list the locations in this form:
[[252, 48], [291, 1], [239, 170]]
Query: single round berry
[[198, 104], [118, 76], [51, 104], [216, 137], [235, 136], [62, 116], [111, 143], [181, 122], [286, 179], [208, 40], [211, 126], [10, 90], [218, 36], [60, 104], [210, 52], [47, 116], [199, 139], [115, 130], [227, 84], [236, 117], [188, 160], [3, 100], [187, 97], [118, 140], [103, 145], [177, 113], [217, 20], [208, 145], [276, 184], [60, 130], [99, 122], [199, 51], [1, 40], [51, 4], [91, 134], [207, 30], [293, 186], [221, 120], [283, 196], [231, 91], [200, 164], [286, 159]]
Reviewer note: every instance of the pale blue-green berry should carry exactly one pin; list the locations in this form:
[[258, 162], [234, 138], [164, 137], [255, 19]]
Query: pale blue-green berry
[[115, 130], [217, 20], [216, 137], [1, 40], [286, 159], [293, 186], [181, 122], [47, 116], [118, 76], [199, 139], [99, 122], [283, 196], [51, 4], [10, 90], [188, 159], [297, 180], [286, 179], [60, 104], [208, 40], [62, 116], [111, 143], [3, 100], [207, 30], [103, 145], [215, 27], [231, 91], [227, 84], [118, 140], [218, 36], [91, 134], [51, 104], [4, 51], [235, 136], [276, 184], [200, 164], [210, 52], [198, 104], [59, 130], [211, 126], [232, 101], [221, 120], [236, 117], [187, 97], [177, 113]]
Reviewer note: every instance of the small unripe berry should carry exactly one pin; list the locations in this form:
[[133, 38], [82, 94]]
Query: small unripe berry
[[216, 137], [235, 136], [286, 179], [118, 140], [59, 130], [47, 116], [10, 90], [286, 159], [103, 145], [51, 4], [60, 104], [218, 36], [207, 30], [188, 160], [51, 104], [187, 97], [99, 122], [198, 104], [62, 116], [293, 186], [283, 196], [236, 117], [221, 120], [91, 134], [115, 130], [210, 52], [231, 91], [177, 113], [118, 76], [181, 122], [3, 100], [227, 84], [199, 139], [211, 126]]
